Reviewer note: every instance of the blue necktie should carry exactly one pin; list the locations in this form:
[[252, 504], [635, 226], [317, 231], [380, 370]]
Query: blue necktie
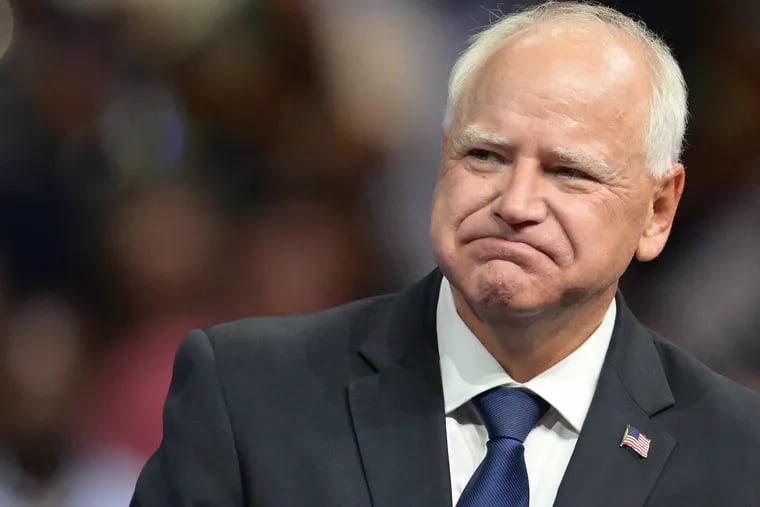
[[501, 480]]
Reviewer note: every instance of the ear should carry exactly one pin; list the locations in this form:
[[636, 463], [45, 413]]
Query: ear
[[667, 195]]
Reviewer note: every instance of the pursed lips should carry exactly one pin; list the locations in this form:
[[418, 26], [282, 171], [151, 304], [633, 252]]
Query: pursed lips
[[510, 249]]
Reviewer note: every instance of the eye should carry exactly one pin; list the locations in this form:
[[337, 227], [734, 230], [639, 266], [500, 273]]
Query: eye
[[483, 155], [570, 173]]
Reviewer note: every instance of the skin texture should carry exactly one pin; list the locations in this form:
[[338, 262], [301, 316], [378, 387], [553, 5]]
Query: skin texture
[[543, 198]]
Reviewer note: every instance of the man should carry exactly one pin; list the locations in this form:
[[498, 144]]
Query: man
[[514, 375]]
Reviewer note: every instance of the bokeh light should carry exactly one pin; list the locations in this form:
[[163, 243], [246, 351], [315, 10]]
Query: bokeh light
[[6, 26]]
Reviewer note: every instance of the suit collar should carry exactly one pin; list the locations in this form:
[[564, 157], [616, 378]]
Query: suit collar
[[634, 357], [406, 325]]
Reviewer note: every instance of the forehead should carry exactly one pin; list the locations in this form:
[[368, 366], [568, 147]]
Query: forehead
[[574, 74]]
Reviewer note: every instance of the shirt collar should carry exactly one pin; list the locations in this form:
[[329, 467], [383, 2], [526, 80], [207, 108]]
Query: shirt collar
[[468, 369]]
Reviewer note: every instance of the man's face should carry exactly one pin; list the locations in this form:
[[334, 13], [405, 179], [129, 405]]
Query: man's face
[[543, 197]]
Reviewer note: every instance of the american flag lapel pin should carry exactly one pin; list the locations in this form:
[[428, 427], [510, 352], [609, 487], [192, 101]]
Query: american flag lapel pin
[[635, 440]]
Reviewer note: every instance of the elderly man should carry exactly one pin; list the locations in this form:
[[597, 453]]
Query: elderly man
[[513, 375]]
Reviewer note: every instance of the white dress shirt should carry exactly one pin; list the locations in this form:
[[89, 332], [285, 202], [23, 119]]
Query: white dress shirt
[[468, 369]]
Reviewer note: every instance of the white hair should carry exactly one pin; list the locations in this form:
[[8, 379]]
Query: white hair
[[664, 136]]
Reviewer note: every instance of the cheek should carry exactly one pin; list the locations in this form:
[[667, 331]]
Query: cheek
[[457, 199], [603, 231], [459, 195], [440, 219]]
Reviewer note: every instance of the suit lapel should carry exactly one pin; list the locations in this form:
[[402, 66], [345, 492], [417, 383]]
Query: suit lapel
[[397, 410], [632, 390], [400, 428]]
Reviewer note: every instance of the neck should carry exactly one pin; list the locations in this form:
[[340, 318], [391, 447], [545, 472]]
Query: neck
[[527, 346]]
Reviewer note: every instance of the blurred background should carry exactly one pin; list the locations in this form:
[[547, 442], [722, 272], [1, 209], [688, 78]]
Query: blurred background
[[167, 164]]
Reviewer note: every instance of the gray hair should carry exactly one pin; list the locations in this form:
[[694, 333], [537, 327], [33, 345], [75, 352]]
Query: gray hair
[[664, 136]]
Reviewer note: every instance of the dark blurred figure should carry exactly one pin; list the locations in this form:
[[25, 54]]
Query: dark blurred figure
[[44, 365], [298, 254], [161, 253]]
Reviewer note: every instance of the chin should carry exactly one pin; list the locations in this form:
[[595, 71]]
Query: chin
[[507, 303], [505, 288]]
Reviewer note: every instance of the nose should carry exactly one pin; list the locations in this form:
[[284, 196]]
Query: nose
[[520, 201]]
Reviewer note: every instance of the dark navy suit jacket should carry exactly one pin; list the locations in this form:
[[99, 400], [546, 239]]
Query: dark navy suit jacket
[[345, 408]]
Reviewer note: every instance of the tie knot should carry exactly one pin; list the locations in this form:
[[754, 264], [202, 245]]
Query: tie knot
[[509, 412]]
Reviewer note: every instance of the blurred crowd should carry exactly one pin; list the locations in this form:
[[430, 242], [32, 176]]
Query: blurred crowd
[[167, 164]]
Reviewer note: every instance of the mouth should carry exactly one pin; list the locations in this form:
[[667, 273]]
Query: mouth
[[497, 248]]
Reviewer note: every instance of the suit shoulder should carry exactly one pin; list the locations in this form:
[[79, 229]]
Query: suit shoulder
[[331, 327], [691, 380]]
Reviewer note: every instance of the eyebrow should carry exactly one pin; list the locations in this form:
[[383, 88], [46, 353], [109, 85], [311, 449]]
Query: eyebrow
[[585, 160], [473, 135]]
